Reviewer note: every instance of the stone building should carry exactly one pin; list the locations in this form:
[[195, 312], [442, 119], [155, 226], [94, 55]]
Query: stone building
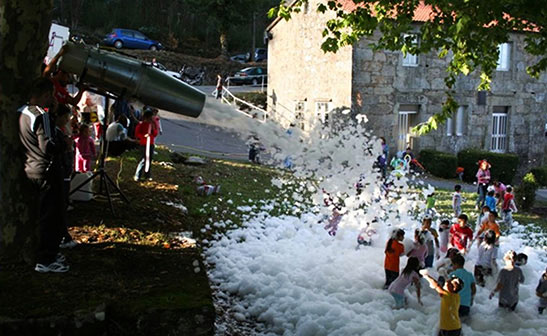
[[397, 92]]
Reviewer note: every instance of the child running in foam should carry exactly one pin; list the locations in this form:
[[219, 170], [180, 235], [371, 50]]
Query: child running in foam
[[394, 250], [482, 216], [489, 224], [450, 324], [408, 276], [419, 250], [509, 279], [444, 231], [431, 241], [487, 257], [444, 266], [461, 234]]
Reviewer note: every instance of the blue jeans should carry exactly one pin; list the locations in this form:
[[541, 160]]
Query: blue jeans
[[399, 300], [429, 261], [481, 190], [142, 163]]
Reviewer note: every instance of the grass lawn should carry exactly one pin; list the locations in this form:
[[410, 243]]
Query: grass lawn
[[132, 264]]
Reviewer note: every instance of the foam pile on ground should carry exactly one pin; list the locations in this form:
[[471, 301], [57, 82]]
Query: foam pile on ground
[[288, 274]]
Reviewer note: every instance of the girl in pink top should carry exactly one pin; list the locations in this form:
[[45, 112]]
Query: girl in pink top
[[483, 179], [419, 250], [85, 150], [409, 275]]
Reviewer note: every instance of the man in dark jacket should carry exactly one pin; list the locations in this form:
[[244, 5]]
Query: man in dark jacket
[[42, 167]]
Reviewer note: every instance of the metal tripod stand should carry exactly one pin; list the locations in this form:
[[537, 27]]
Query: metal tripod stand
[[104, 180]]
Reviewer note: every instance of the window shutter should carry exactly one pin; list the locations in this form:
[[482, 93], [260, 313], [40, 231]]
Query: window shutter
[[460, 120], [504, 58], [449, 126]]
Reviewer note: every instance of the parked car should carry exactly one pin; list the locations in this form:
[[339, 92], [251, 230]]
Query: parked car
[[162, 67], [241, 58], [252, 75], [261, 54], [127, 38]]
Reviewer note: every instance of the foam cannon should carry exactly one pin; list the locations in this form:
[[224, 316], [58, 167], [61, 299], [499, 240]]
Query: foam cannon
[[130, 77]]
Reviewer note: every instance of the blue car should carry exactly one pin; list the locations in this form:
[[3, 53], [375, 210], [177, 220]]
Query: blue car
[[127, 38]]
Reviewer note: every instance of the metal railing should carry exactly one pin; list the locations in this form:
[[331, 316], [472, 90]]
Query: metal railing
[[244, 107]]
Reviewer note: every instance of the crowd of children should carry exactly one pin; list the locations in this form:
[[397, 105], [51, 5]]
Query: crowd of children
[[457, 286]]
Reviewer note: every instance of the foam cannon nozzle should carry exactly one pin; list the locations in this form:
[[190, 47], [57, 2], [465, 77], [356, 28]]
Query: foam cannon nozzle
[[118, 74]]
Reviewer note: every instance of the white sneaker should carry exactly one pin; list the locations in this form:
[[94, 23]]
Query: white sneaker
[[60, 258], [54, 267]]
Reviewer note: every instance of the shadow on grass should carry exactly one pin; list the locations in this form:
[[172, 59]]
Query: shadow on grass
[[113, 285]]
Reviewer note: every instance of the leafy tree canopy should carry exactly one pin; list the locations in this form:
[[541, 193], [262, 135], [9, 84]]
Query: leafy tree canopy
[[467, 32]]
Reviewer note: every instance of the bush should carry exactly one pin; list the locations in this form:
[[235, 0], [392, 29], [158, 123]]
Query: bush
[[256, 98], [526, 192], [540, 173], [504, 166], [438, 163]]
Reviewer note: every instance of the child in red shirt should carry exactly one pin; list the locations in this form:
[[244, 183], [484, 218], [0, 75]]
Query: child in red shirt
[[145, 132], [461, 234]]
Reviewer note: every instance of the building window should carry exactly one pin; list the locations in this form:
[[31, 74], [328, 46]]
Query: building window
[[322, 109], [458, 125], [504, 58], [499, 129], [409, 59], [299, 110], [406, 121]]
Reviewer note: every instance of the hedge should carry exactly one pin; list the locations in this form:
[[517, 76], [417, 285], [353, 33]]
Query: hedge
[[540, 173], [526, 192], [504, 166], [438, 163]]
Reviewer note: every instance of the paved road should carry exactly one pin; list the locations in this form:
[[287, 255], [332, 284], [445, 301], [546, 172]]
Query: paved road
[[189, 135], [183, 135]]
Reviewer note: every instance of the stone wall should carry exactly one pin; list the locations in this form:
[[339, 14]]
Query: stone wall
[[378, 85], [382, 86], [298, 70]]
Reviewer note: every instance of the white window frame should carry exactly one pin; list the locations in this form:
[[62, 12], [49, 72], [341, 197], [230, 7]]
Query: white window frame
[[410, 60], [322, 110], [499, 132], [504, 58], [403, 123]]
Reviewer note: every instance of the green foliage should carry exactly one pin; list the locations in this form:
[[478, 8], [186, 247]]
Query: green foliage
[[438, 163], [182, 21], [466, 33], [504, 166], [255, 98], [526, 192], [540, 173]]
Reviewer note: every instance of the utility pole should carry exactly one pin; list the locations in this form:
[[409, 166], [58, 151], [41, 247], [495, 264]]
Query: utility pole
[[253, 44]]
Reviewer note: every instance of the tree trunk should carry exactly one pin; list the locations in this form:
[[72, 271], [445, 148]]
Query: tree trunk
[[22, 50], [224, 44]]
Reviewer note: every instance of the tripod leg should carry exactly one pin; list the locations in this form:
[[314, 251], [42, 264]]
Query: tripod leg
[[84, 183], [116, 188], [103, 180]]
